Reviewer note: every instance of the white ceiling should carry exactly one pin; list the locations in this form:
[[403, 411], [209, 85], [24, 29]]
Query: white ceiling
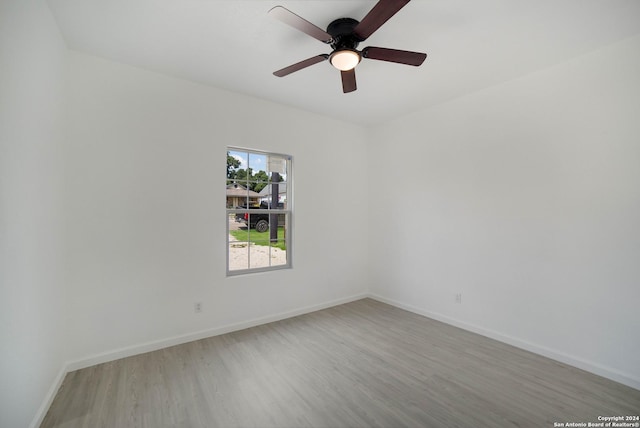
[[235, 45]]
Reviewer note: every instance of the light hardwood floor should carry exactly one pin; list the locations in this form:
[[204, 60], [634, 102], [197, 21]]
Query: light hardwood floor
[[362, 364]]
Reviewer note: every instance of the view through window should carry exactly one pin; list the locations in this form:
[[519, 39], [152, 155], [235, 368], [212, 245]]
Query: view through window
[[258, 211]]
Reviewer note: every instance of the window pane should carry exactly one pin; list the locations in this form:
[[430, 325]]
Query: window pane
[[236, 160], [259, 254], [278, 189], [258, 185], [238, 255], [238, 222], [282, 195], [237, 195], [278, 252], [258, 163], [277, 164]]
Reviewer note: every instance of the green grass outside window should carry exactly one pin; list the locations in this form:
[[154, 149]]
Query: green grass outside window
[[260, 238]]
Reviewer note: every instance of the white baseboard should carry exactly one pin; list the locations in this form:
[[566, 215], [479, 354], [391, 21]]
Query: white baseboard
[[44, 407], [571, 360], [172, 341]]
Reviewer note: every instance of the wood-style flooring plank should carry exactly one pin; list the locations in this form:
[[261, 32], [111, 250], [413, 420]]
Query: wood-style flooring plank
[[362, 364]]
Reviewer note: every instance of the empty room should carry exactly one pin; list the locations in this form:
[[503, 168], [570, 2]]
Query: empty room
[[314, 213]]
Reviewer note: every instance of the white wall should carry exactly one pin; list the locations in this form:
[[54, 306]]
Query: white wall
[[525, 198], [146, 163], [32, 338]]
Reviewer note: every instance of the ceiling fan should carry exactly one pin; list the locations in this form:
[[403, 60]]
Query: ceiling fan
[[344, 35]]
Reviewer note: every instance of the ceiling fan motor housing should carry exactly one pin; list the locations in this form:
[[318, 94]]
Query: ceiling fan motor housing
[[341, 31]]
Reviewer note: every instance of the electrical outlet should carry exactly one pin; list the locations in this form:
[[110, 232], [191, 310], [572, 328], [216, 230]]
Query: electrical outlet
[[458, 297], [197, 307]]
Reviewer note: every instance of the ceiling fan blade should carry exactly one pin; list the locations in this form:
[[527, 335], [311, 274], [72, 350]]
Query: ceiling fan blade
[[300, 65], [290, 18], [377, 16], [348, 80], [394, 55]]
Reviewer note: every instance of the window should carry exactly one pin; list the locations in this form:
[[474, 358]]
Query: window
[[258, 211]]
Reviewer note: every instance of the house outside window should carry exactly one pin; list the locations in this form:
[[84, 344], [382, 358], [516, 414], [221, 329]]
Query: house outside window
[[258, 203]]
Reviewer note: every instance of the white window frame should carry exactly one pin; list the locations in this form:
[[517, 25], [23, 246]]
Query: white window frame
[[286, 211]]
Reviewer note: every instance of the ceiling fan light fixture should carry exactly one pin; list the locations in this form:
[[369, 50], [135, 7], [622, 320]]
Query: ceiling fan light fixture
[[344, 35], [345, 59]]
